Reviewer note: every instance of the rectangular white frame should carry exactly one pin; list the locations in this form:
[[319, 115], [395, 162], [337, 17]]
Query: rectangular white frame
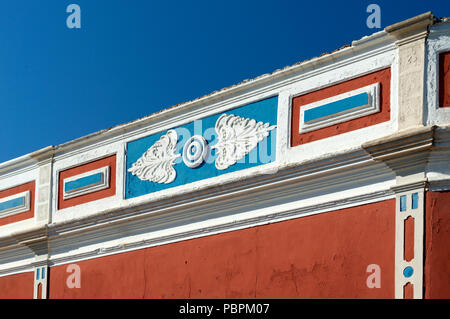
[[18, 209], [372, 107], [88, 188]]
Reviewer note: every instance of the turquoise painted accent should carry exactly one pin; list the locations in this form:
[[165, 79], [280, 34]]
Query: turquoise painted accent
[[403, 203], [408, 271], [43, 273], [20, 201], [37, 274], [264, 111], [415, 201], [336, 107], [83, 182]]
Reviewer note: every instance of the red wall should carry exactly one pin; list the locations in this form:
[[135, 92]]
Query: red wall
[[444, 79], [437, 249], [319, 256], [19, 286]]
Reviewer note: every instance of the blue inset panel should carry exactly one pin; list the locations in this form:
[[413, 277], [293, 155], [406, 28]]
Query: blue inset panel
[[415, 201], [403, 203], [37, 274], [84, 182], [343, 105], [262, 111], [12, 203]]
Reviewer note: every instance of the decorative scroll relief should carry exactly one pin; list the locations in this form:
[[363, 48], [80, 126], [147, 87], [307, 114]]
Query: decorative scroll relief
[[15, 204], [156, 164], [86, 183], [340, 108], [237, 136]]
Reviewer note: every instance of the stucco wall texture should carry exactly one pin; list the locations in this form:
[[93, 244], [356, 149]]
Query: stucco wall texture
[[437, 249], [318, 256], [444, 79], [18, 286]]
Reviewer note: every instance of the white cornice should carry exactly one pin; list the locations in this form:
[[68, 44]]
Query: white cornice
[[373, 45], [213, 210]]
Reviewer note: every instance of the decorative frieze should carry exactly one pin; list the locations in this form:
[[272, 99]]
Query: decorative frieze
[[205, 148]]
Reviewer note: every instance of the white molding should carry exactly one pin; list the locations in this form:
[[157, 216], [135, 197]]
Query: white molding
[[17, 209], [40, 278], [103, 184], [417, 261], [372, 107], [89, 250], [245, 92]]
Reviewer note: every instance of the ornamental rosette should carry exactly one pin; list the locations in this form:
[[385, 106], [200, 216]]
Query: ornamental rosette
[[237, 136], [156, 164]]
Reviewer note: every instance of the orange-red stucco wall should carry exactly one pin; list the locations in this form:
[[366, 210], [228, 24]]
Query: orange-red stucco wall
[[444, 79], [19, 286], [437, 248], [319, 256]]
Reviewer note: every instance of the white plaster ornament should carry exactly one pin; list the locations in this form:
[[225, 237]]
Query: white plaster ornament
[[195, 151], [156, 164], [237, 136]]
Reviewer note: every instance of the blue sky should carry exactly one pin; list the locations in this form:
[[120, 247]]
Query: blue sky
[[132, 58]]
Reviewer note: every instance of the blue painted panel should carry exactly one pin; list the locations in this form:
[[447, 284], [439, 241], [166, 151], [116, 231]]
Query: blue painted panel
[[336, 107], [403, 203], [20, 201], [264, 111], [83, 182], [415, 200]]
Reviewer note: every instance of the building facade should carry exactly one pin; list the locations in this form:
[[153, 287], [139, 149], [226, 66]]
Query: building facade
[[326, 179]]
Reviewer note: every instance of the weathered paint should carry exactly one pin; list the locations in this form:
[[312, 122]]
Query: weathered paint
[[382, 76], [444, 79], [15, 190], [18, 286], [110, 191], [323, 256], [437, 249]]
